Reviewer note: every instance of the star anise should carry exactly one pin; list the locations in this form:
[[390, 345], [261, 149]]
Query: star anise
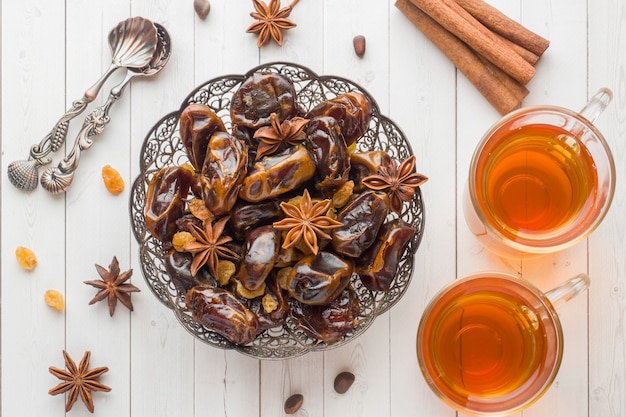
[[209, 247], [290, 132], [78, 381], [271, 20], [398, 181], [113, 286], [307, 222]]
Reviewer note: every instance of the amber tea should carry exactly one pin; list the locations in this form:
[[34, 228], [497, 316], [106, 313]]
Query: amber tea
[[536, 180], [541, 179], [492, 343]]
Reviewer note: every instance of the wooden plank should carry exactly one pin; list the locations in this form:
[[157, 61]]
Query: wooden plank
[[33, 91], [162, 353], [607, 267], [368, 357], [303, 45], [97, 219], [225, 375], [561, 80], [423, 98]]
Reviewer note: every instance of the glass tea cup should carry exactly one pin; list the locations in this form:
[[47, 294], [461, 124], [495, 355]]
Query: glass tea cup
[[492, 343], [541, 180]]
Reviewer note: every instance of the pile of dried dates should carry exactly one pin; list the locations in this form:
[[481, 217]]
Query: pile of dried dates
[[272, 217]]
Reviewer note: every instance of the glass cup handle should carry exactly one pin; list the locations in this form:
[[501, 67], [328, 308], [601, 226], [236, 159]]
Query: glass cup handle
[[597, 104], [568, 290]]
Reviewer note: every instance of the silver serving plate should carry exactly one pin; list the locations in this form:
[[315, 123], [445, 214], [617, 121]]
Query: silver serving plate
[[163, 147]]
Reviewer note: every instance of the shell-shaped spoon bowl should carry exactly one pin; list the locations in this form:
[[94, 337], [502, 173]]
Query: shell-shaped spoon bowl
[[23, 174], [133, 42], [55, 181]]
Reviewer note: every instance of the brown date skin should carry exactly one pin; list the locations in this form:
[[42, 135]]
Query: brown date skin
[[261, 248], [277, 174], [165, 201], [259, 96], [363, 164], [328, 323], [274, 318], [244, 216], [378, 265], [223, 172], [362, 219], [352, 111], [198, 122], [319, 279], [186, 221], [220, 311], [178, 267], [330, 153]]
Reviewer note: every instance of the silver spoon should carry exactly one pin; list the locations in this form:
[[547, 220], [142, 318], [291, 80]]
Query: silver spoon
[[58, 179], [133, 43]]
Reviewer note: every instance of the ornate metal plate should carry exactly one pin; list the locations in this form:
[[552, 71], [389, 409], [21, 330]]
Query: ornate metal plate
[[163, 147]]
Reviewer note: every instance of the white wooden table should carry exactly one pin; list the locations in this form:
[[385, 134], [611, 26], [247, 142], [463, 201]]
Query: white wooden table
[[52, 50]]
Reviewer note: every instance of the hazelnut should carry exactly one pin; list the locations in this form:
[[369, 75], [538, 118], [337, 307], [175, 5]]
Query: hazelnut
[[202, 8], [293, 403], [359, 45], [343, 382]]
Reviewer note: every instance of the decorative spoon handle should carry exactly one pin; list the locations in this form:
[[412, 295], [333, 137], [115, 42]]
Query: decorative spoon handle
[[55, 139], [58, 179]]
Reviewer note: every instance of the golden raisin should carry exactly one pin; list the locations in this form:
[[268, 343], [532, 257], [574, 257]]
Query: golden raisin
[[244, 292], [281, 277], [113, 181], [287, 257], [199, 209], [225, 270], [26, 258], [342, 195], [269, 303], [295, 200], [54, 299], [180, 238]]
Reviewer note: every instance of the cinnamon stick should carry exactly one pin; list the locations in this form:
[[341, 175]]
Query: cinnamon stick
[[518, 90], [497, 21], [478, 37], [464, 58], [528, 56]]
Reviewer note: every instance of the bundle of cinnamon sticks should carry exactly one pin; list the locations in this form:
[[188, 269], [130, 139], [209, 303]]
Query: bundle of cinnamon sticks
[[494, 52]]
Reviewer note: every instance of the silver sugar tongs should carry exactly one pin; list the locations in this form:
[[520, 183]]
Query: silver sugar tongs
[[132, 43]]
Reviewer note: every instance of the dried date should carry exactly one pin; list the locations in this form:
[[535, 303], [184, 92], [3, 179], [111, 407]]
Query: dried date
[[198, 122], [259, 96], [246, 215], [260, 252], [165, 201], [362, 219], [330, 153], [319, 279], [220, 311], [178, 268], [277, 174], [378, 265], [363, 164], [352, 111], [223, 172], [328, 323]]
